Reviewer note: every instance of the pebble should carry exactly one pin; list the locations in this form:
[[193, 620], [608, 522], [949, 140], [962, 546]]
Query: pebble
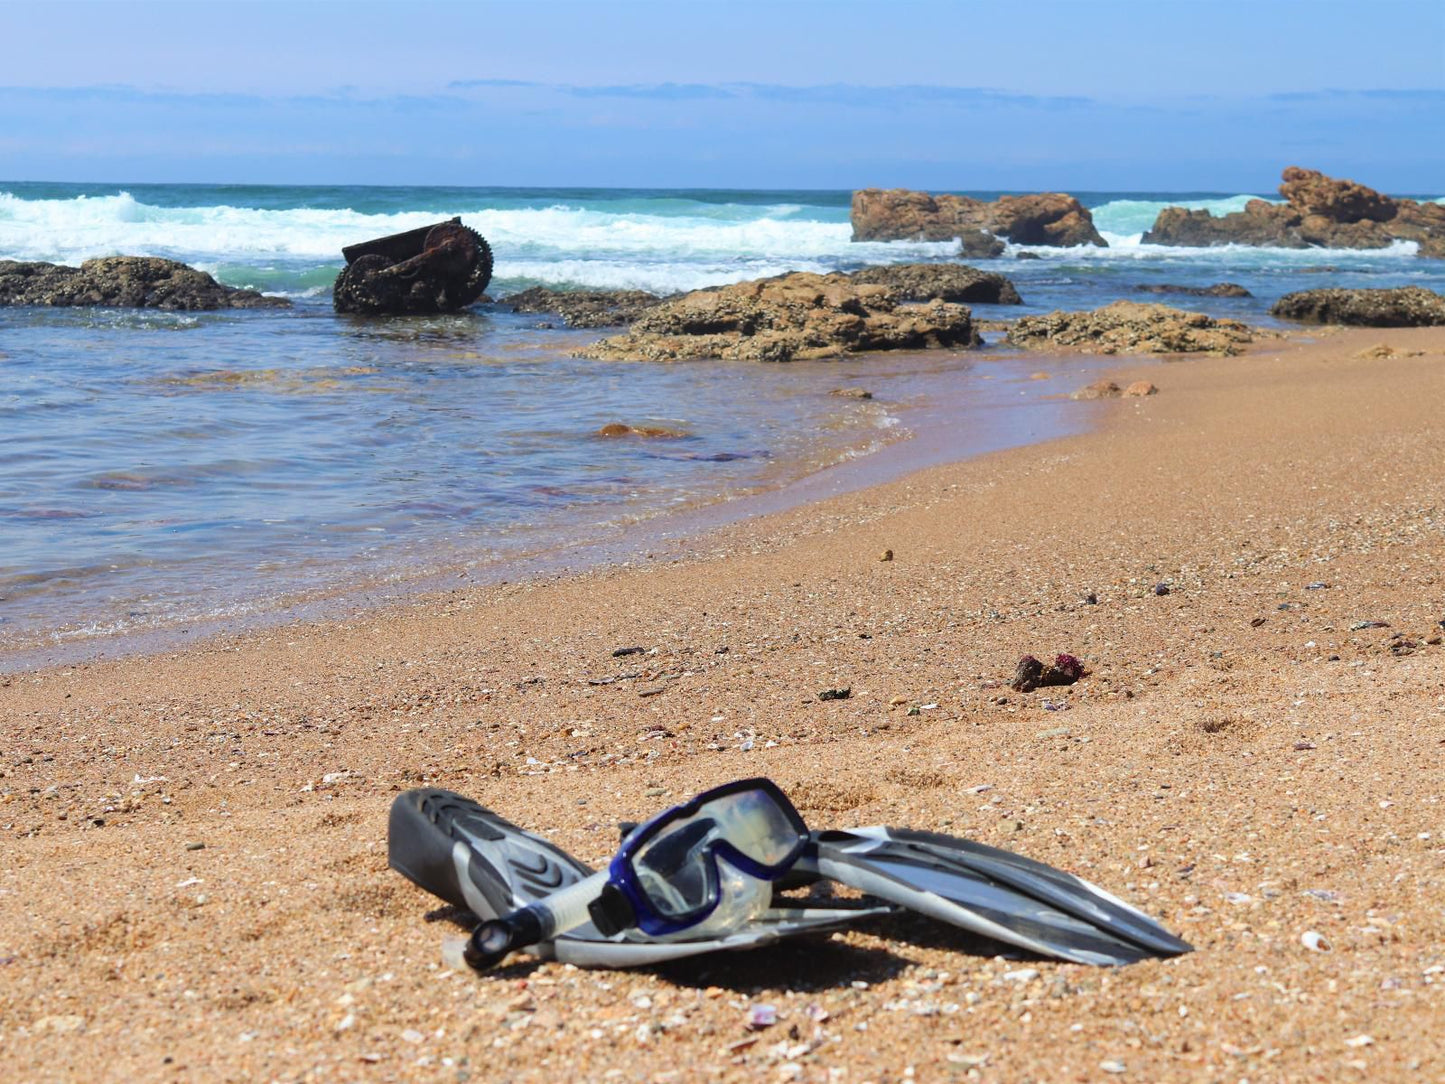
[[1056, 732], [1314, 941], [622, 652], [195, 845], [762, 1016], [1112, 1065], [886, 555], [1023, 974], [1159, 589], [842, 693]]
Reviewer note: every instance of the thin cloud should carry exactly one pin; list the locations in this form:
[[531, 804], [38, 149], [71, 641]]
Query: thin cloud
[[681, 92]]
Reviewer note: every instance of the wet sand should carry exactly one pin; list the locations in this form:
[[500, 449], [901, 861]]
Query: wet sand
[[193, 881]]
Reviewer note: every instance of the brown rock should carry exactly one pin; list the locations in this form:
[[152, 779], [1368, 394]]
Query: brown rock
[[1131, 327], [797, 316], [651, 432], [1407, 306], [941, 282], [1313, 193], [1219, 289], [584, 308], [1139, 389], [1320, 212], [1099, 389], [852, 393], [1047, 218], [135, 282]]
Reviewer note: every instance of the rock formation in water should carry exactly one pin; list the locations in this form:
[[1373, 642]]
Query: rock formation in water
[[584, 308], [133, 282], [791, 317], [1407, 306], [941, 282], [897, 214], [1130, 327], [1319, 212], [1219, 289]]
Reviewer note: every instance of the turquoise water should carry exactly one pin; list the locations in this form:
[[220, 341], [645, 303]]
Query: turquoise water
[[163, 469]]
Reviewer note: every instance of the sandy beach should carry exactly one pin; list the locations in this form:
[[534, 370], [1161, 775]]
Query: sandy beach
[[193, 879]]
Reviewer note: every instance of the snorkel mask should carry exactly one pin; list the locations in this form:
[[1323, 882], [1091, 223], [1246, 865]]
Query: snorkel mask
[[699, 869]]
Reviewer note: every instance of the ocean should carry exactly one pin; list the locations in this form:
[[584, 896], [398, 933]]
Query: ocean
[[173, 474]]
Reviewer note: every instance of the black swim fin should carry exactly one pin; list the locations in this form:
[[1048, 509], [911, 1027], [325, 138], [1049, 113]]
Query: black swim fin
[[992, 892]]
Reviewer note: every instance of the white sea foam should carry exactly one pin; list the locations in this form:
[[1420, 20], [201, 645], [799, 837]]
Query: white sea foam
[[669, 246], [560, 244]]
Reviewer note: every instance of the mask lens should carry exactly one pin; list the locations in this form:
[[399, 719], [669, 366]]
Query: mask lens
[[755, 825], [674, 871], [676, 868]]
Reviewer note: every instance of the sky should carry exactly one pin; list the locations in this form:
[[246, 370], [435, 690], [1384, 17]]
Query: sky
[[1086, 95]]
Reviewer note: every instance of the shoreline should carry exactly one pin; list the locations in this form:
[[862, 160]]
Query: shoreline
[[967, 401], [1249, 760]]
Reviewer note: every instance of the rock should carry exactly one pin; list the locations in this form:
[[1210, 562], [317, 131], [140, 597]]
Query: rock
[[1407, 306], [135, 282], [584, 308], [852, 393], [796, 316], [1139, 389], [1219, 289], [1099, 389], [651, 432], [1319, 211], [1342, 201], [1027, 674], [898, 214], [1131, 327], [979, 245], [941, 282]]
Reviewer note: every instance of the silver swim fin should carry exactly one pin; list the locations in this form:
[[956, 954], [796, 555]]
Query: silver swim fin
[[991, 892], [483, 863]]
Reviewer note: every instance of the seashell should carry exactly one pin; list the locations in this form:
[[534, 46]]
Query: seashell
[[1314, 941]]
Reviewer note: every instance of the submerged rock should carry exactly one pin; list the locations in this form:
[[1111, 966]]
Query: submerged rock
[[585, 308], [1131, 327], [1219, 289], [1318, 211], [1099, 389], [898, 214], [1407, 306], [796, 316], [134, 282], [648, 432]]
